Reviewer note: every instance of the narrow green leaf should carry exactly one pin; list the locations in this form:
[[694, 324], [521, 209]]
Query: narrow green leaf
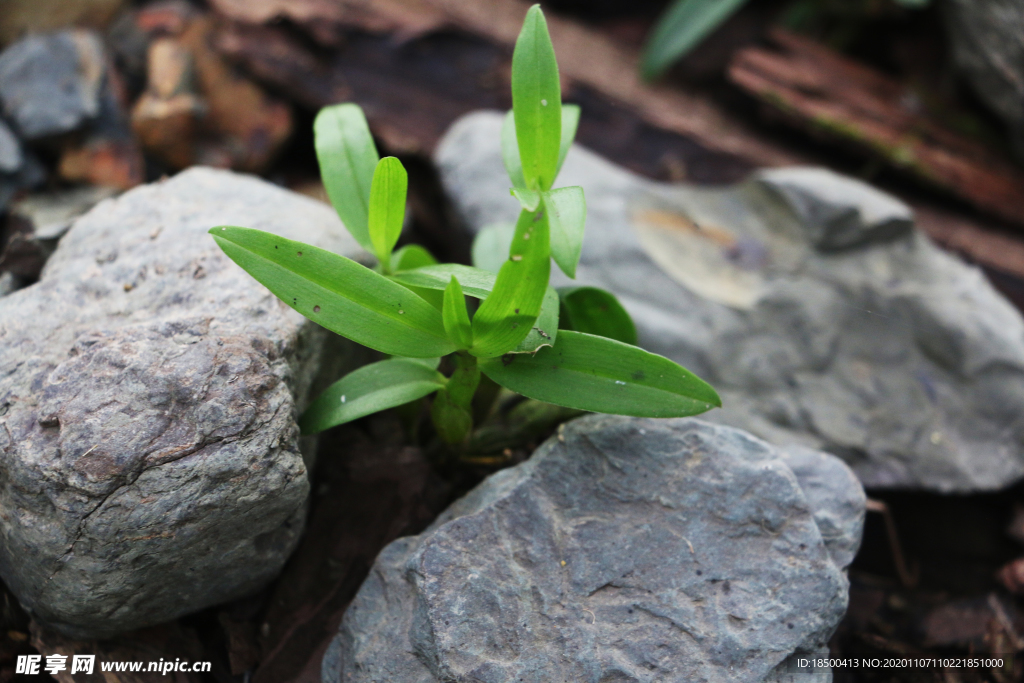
[[370, 389], [597, 312], [529, 200], [348, 158], [338, 293], [491, 245], [510, 151], [510, 147], [456, 316], [387, 208], [602, 375], [506, 317], [570, 122], [567, 209], [412, 256], [683, 26], [536, 102], [474, 282], [545, 329]]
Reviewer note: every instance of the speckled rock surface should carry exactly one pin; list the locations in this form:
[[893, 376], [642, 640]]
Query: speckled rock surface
[[809, 302], [148, 395], [625, 549]]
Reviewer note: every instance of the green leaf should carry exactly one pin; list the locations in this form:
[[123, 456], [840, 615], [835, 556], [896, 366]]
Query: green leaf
[[529, 200], [348, 158], [412, 256], [510, 151], [506, 317], [387, 208], [456, 316], [602, 375], [338, 293], [597, 312], [567, 209], [684, 25], [370, 389], [545, 329], [510, 148], [491, 245], [570, 122], [474, 282], [536, 102]]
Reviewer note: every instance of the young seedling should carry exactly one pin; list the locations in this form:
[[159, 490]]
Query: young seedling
[[573, 347]]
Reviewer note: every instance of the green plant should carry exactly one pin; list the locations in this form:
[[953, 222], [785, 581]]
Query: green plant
[[415, 309], [688, 22]]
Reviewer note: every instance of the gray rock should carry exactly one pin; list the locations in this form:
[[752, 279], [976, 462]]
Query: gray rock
[[38, 221], [806, 300], [11, 157], [51, 84], [988, 46], [148, 395], [625, 549]]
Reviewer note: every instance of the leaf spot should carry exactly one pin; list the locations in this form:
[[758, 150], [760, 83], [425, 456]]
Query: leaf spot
[[517, 310], [526, 236], [543, 103], [517, 257], [343, 398], [316, 309], [401, 312], [299, 253], [620, 382]]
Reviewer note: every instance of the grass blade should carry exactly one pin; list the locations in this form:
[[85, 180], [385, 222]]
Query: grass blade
[[456, 316], [570, 122], [371, 388], [597, 312], [506, 317], [602, 375], [338, 293], [347, 158], [387, 208], [474, 282], [536, 102], [545, 329], [680, 29], [567, 211]]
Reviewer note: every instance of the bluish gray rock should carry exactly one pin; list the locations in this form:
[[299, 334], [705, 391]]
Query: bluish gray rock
[[11, 157], [987, 37], [50, 84], [807, 300], [625, 549], [148, 395]]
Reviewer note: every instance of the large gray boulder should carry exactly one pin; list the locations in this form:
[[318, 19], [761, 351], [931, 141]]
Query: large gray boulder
[[625, 549], [807, 299], [148, 395], [988, 45]]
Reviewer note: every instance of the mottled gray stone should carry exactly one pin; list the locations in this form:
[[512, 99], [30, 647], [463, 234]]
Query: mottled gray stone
[[148, 395], [624, 550], [880, 348], [50, 84], [11, 157], [988, 46]]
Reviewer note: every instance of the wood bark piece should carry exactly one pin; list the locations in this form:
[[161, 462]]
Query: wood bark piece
[[853, 103], [586, 57]]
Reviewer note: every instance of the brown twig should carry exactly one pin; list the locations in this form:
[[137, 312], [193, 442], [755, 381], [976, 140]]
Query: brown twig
[[907, 578]]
